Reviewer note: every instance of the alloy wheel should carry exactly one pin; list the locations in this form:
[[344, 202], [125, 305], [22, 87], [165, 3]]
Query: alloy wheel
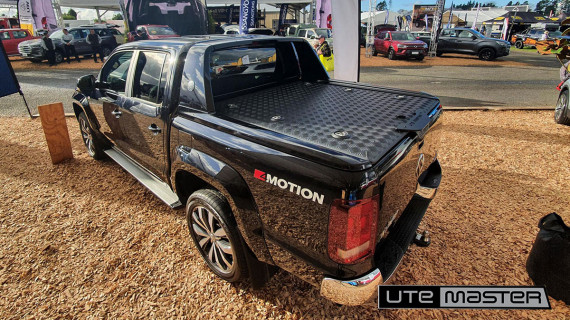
[[87, 136], [562, 101], [213, 240]]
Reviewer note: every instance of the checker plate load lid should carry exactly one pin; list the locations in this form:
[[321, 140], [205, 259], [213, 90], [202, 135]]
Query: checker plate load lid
[[361, 122]]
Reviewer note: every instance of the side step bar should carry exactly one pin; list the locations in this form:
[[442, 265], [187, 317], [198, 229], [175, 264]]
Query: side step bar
[[156, 186]]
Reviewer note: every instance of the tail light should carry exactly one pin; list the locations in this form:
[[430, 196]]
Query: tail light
[[352, 229]]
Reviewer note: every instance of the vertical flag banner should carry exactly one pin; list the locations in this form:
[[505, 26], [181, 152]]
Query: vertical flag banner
[[25, 12], [346, 51], [185, 17], [8, 82], [476, 16], [230, 14], [323, 11], [450, 16], [505, 28], [247, 15], [282, 15], [44, 15], [427, 22]]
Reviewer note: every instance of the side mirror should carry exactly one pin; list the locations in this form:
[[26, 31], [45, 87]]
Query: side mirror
[[86, 84], [313, 37]]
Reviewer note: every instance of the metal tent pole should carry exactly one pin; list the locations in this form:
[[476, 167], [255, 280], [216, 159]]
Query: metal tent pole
[[26, 103]]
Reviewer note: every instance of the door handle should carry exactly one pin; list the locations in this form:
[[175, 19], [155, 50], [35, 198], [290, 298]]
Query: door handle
[[117, 113], [154, 128]]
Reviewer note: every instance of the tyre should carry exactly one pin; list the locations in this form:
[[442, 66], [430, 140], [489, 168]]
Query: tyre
[[519, 44], [439, 54], [487, 54], [561, 110], [391, 54], [106, 51], [420, 57], [215, 234], [374, 52], [58, 57], [35, 60], [90, 139]]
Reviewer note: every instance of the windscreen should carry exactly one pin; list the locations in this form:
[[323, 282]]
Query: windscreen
[[402, 36], [160, 31], [324, 32]]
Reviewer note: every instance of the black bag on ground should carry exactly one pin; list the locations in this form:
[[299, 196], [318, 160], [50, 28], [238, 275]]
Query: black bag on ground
[[548, 263]]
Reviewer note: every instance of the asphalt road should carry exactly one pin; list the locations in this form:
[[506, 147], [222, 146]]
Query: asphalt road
[[456, 86], [469, 86]]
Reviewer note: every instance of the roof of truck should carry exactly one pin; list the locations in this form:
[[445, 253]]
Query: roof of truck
[[184, 41]]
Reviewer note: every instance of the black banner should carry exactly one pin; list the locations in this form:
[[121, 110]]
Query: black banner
[[8, 81], [462, 297]]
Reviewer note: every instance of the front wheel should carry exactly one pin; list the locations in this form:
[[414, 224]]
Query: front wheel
[[561, 110], [487, 54], [91, 141], [420, 58], [215, 234], [519, 44], [374, 52], [391, 54]]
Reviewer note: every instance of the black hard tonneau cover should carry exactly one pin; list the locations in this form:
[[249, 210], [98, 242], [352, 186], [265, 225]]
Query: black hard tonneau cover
[[313, 112]]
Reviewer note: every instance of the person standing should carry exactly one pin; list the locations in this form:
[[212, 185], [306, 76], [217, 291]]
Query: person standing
[[69, 47], [49, 48], [95, 41], [323, 47]]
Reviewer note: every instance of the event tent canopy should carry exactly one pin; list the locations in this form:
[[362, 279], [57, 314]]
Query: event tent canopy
[[523, 18], [379, 17]]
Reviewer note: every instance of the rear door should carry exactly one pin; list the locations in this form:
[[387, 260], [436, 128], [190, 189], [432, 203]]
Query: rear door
[[112, 86], [141, 121], [8, 42], [447, 41]]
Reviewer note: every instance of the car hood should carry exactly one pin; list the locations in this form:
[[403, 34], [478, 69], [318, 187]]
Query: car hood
[[410, 42], [33, 42]]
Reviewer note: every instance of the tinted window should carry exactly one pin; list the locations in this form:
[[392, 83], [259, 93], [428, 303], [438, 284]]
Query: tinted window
[[464, 34], [292, 31], [116, 69], [19, 34], [149, 82], [302, 33], [103, 32], [311, 33], [5, 35], [448, 33], [160, 31], [77, 34]]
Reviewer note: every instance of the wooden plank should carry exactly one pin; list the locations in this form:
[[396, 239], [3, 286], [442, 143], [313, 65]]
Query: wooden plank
[[55, 130]]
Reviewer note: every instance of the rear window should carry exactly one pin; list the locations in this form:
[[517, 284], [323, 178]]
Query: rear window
[[160, 31], [240, 68]]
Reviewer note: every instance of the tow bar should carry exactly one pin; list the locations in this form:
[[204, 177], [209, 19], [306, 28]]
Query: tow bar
[[422, 239]]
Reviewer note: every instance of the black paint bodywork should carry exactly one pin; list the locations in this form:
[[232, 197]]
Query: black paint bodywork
[[279, 226]]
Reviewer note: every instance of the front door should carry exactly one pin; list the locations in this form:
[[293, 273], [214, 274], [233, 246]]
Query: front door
[[467, 41], [141, 122], [109, 103], [80, 41]]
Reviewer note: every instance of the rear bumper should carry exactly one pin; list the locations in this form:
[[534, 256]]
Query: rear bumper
[[390, 250]]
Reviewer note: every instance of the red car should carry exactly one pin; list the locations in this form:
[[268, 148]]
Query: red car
[[399, 44], [12, 37], [154, 32]]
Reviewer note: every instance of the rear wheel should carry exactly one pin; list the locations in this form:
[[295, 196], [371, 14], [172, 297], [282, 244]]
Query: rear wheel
[[215, 234], [374, 52], [439, 54], [487, 54], [58, 57], [519, 44], [561, 110], [391, 54]]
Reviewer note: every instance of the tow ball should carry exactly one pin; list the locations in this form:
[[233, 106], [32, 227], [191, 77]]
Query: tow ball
[[422, 239]]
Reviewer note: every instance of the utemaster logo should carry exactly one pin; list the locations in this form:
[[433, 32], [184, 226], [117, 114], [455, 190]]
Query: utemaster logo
[[462, 297], [293, 188]]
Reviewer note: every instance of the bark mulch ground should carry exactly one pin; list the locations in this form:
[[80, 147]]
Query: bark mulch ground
[[83, 239]]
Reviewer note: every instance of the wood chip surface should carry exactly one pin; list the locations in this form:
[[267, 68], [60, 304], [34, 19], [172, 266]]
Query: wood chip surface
[[83, 239]]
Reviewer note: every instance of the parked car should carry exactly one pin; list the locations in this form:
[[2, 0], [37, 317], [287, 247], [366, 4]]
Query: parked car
[[399, 44], [119, 36], [12, 37], [312, 35], [33, 51], [275, 163], [155, 32], [423, 34], [469, 41], [531, 36]]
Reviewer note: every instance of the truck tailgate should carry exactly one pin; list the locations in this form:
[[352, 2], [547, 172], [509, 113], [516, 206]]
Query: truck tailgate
[[357, 120]]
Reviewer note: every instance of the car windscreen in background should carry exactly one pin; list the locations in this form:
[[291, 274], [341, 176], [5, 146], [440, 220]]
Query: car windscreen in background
[[8, 82], [183, 16]]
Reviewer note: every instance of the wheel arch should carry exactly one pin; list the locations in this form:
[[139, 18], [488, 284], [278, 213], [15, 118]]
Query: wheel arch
[[486, 47], [193, 170], [81, 104]]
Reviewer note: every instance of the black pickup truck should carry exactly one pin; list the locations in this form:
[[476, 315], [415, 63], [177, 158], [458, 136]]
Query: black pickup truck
[[277, 164]]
